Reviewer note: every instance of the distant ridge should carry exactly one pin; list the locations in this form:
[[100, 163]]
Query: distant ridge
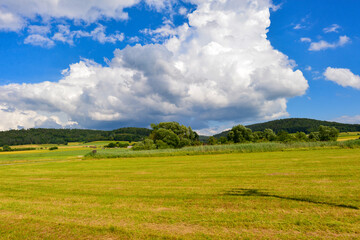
[[293, 125], [63, 136]]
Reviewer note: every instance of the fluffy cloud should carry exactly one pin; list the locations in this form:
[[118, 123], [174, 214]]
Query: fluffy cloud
[[323, 45], [343, 77], [218, 67], [348, 119], [40, 35], [80, 10], [17, 119], [39, 40], [17, 12], [332, 28], [16, 15], [98, 34], [10, 21]]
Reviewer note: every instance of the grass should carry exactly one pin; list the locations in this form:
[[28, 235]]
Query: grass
[[222, 149], [41, 155], [263, 195], [68, 152], [349, 136]]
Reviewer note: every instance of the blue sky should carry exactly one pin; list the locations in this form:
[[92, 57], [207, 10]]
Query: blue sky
[[208, 64], [328, 101]]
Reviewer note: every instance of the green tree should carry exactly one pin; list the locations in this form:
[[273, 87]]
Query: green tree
[[161, 145], [314, 136], [240, 134], [301, 136], [212, 140], [284, 136], [147, 144], [269, 134], [173, 134], [167, 136], [222, 140], [328, 133]]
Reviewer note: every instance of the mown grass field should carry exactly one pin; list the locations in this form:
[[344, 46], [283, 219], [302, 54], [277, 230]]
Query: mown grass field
[[71, 151], [297, 194], [349, 136]]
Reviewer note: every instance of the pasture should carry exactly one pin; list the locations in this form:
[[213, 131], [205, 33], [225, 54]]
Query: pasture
[[345, 136], [293, 194]]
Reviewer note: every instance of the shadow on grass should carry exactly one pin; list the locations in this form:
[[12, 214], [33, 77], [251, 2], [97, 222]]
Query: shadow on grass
[[242, 192]]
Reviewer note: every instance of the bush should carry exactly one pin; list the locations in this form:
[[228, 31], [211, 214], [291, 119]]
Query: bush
[[161, 145], [53, 148], [116, 145], [148, 144], [7, 148]]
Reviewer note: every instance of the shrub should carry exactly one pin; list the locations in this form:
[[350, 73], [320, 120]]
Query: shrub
[[147, 144], [7, 148], [53, 148]]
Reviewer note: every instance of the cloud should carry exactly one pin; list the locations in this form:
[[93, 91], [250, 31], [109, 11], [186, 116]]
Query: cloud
[[98, 34], [40, 35], [10, 21], [303, 23], [64, 34], [219, 66], [342, 76], [323, 45], [299, 26], [348, 119], [87, 11], [38, 29], [332, 28], [18, 119], [305, 39], [39, 40], [14, 14]]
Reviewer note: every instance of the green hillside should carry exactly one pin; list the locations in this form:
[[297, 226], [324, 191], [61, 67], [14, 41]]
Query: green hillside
[[63, 136], [293, 125]]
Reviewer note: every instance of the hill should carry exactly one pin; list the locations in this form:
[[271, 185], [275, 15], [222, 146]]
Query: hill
[[293, 125], [63, 136]]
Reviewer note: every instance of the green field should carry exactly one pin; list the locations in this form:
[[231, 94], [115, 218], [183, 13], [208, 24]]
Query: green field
[[298, 194], [349, 136]]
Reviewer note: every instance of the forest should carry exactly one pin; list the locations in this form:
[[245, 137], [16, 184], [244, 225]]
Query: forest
[[63, 136], [294, 125]]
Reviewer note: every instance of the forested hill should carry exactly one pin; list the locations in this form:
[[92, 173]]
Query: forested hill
[[63, 136], [293, 125]]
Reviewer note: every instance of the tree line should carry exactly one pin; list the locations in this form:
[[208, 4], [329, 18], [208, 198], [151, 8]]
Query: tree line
[[242, 134], [63, 136], [173, 135], [294, 125]]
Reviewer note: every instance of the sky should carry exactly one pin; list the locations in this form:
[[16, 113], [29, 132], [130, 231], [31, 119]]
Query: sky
[[210, 64]]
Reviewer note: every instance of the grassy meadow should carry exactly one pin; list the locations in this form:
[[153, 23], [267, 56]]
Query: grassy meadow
[[346, 136], [300, 193]]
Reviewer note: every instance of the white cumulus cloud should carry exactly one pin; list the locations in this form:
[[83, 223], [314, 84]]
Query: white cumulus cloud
[[10, 21], [39, 40], [83, 10], [218, 67], [323, 45], [14, 14], [342, 76]]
